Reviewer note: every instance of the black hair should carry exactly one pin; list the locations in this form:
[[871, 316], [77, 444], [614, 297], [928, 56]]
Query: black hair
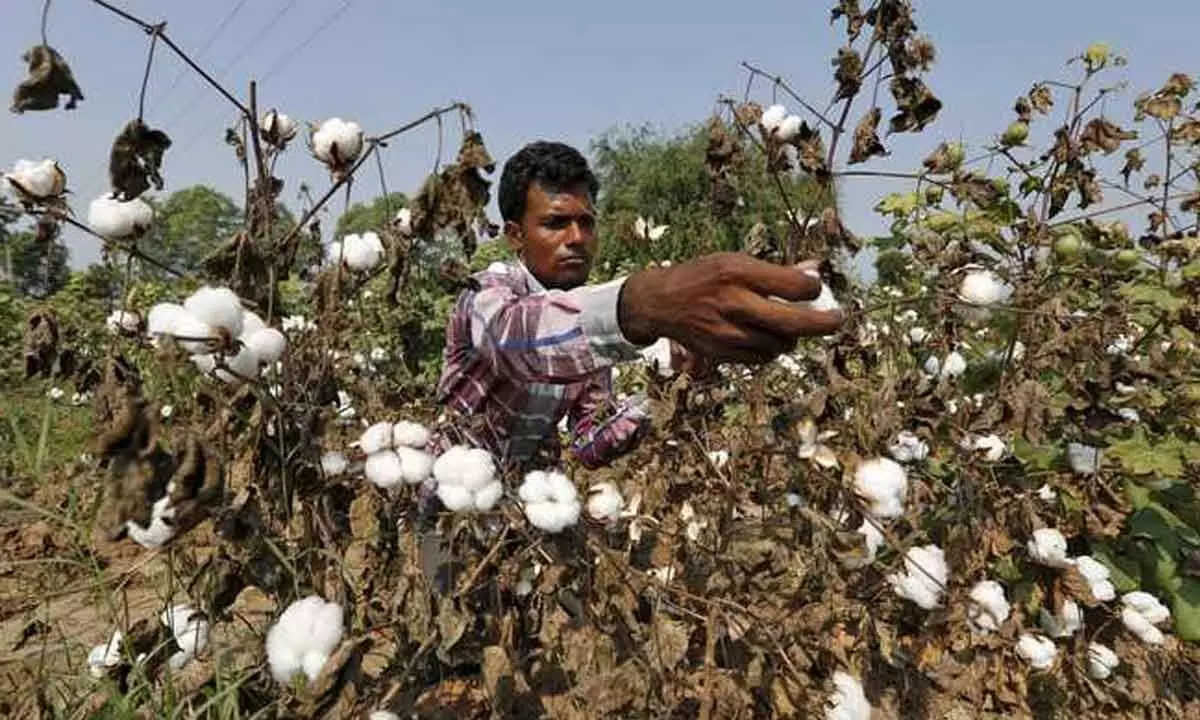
[[556, 167]]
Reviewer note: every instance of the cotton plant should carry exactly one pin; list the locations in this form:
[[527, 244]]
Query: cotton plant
[[115, 219], [1102, 661], [396, 454], [105, 656], [1140, 613], [908, 448], [1048, 547], [277, 129], [989, 608], [123, 322], [211, 321], [190, 630], [337, 143], [1063, 622], [359, 253], [605, 502], [303, 638], [924, 578], [36, 180], [467, 480], [849, 700], [982, 288], [883, 484], [777, 123], [1037, 650], [550, 500], [161, 530]]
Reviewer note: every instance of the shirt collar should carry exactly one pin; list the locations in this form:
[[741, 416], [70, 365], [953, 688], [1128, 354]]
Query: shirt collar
[[531, 282]]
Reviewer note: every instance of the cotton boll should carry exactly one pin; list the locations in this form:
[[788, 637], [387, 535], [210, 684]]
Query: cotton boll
[[106, 655], [605, 502], [194, 335], [242, 367], [1036, 650], [992, 446], [337, 143], [789, 128], [362, 252], [658, 356], [205, 363], [982, 288], [376, 438], [456, 498], [164, 318], [825, 302], [1137, 624], [267, 344], [773, 117], [122, 321], [415, 465], [159, 532], [924, 578], [550, 499], [953, 366], [1048, 547], [384, 469], [849, 701], [882, 483], [486, 497], [1065, 623], [989, 608], [116, 220], [251, 323], [1147, 606], [1101, 661], [190, 631], [873, 540], [403, 221], [218, 307], [908, 448], [334, 464], [383, 715], [1084, 459], [932, 366], [410, 434], [39, 180], [303, 638], [477, 469], [1097, 576], [277, 129]]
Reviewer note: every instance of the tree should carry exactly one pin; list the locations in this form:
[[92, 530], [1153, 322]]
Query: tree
[[364, 217], [33, 261], [190, 224], [664, 178]]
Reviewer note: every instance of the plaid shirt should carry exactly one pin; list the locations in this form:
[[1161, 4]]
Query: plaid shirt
[[519, 358]]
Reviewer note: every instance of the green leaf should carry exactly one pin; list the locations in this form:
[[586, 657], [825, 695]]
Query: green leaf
[[898, 204], [1123, 571], [1036, 457], [1148, 294], [1185, 610], [1139, 456]]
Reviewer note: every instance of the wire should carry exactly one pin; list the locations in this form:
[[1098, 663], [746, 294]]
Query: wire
[[281, 63], [183, 72]]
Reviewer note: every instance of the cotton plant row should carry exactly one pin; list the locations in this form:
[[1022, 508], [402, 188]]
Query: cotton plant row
[[218, 333]]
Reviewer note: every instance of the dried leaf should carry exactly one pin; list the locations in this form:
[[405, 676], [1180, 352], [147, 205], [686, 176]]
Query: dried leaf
[[136, 159], [866, 138], [1041, 98], [1134, 162], [1100, 134], [49, 77], [916, 105], [850, 10], [848, 75]]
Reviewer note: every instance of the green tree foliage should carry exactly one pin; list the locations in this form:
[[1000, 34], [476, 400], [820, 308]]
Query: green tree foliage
[[33, 268], [663, 178], [364, 217], [189, 225]]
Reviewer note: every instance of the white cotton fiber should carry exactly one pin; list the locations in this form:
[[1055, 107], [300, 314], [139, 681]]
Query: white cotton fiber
[[605, 502], [218, 307], [376, 438], [251, 323], [266, 343], [303, 638], [882, 483], [1048, 547], [924, 578], [194, 335], [849, 701], [989, 608], [415, 465], [410, 434], [550, 499], [164, 318], [384, 469]]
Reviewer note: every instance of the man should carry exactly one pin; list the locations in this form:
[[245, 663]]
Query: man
[[534, 344]]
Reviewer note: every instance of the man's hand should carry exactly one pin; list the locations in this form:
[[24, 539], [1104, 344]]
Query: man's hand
[[686, 361], [719, 306]]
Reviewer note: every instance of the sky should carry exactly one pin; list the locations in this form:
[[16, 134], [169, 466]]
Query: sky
[[530, 69]]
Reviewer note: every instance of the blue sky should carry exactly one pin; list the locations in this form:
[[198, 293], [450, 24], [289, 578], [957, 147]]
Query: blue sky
[[530, 69]]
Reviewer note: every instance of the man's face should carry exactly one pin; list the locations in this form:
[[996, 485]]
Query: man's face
[[556, 238]]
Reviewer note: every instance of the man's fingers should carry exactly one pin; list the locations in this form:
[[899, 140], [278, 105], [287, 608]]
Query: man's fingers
[[746, 344], [790, 283], [786, 320]]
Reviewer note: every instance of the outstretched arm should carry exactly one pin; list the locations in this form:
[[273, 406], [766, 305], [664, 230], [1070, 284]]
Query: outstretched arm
[[552, 337]]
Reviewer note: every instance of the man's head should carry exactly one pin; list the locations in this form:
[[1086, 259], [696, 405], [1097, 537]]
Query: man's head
[[547, 201]]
